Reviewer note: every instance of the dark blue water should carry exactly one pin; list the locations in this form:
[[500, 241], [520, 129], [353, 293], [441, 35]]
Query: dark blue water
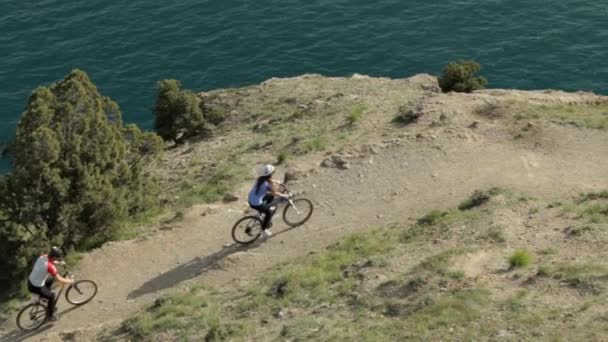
[[127, 46]]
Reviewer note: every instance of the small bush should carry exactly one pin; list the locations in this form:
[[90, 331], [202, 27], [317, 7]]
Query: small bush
[[591, 196], [477, 198], [460, 77], [493, 110], [521, 258], [316, 144], [356, 114], [282, 157], [407, 116], [495, 234], [215, 115], [517, 302], [580, 274], [543, 271], [431, 218], [577, 231], [548, 251]]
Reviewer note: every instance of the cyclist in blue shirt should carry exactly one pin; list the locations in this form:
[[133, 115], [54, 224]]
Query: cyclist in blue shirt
[[264, 197]]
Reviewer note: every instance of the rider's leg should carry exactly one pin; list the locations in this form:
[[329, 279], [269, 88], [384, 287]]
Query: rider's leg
[[265, 210], [267, 216], [49, 285], [46, 293], [49, 295], [269, 202]]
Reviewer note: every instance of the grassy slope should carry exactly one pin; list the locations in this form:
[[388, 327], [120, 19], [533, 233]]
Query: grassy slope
[[284, 120], [445, 277]]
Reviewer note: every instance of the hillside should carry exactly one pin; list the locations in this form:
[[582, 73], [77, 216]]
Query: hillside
[[366, 170]]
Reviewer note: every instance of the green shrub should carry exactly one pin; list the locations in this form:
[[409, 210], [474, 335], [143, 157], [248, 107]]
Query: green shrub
[[520, 258], [356, 114], [543, 271], [518, 301], [477, 198], [178, 114], [591, 196], [222, 181], [406, 116], [580, 274], [282, 157], [460, 77], [433, 217], [316, 144]]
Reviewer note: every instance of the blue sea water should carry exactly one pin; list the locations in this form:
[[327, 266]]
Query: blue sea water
[[127, 46]]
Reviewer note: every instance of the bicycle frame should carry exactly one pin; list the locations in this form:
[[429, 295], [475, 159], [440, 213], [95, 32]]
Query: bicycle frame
[[288, 200]]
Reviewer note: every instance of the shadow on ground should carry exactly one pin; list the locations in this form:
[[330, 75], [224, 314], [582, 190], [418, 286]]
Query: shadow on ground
[[189, 270], [192, 269], [19, 335]]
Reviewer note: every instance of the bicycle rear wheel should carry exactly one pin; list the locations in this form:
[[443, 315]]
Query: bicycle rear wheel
[[297, 212], [32, 316], [81, 292], [247, 229]]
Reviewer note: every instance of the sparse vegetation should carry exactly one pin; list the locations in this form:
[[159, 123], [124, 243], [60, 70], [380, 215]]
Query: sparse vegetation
[[517, 302], [356, 114], [282, 157], [316, 144], [214, 188], [460, 307], [477, 198], [436, 222], [494, 234], [184, 315], [579, 230], [520, 258], [592, 196], [591, 208], [547, 251], [433, 217], [406, 116], [460, 77], [581, 275], [543, 271], [579, 115], [431, 298]]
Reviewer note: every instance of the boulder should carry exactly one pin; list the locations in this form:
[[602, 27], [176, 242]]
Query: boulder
[[290, 176], [230, 198], [337, 162]]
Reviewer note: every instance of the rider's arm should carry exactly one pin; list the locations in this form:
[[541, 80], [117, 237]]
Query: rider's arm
[[274, 192], [63, 280], [52, 270]]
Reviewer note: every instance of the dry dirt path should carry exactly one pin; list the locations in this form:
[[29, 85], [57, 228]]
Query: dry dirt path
[[395, 184]]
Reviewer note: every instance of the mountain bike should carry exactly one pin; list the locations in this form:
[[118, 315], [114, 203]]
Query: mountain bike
[[296, 212], [33, 315]]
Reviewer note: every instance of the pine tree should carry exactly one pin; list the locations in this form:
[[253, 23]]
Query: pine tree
[[76, 170], [178, 113]]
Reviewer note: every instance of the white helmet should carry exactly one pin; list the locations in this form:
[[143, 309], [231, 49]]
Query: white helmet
[[267, 170]]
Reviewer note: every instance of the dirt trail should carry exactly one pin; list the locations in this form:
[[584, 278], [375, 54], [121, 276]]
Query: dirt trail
[[398, 183]]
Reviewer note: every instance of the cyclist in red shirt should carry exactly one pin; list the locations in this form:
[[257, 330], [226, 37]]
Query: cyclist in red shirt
[[40, 283]]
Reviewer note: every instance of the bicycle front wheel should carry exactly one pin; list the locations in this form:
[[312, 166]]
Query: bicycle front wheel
[[31, 317], [247, 229], [81, 292], [297, 212]]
